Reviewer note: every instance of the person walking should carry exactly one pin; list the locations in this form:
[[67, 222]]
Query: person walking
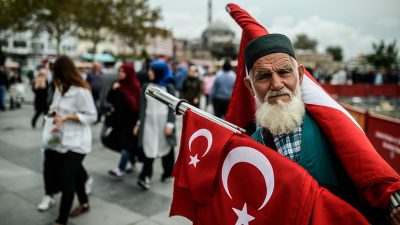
[[74, 110], [222, 89], [40, 88], [94, 78], [192, 87], [208, 82], [3, 89], [156, 126], [124, 98]]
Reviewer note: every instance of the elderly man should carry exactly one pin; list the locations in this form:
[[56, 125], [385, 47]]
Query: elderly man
[[274, 79]]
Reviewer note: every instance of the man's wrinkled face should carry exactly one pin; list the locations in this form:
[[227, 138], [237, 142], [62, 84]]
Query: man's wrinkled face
[[270, 74], [275, 80]]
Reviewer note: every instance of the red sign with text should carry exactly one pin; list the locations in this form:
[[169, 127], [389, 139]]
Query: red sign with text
[[384, 134]]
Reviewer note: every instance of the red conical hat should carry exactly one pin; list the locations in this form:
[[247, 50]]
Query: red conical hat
[[242, 106]]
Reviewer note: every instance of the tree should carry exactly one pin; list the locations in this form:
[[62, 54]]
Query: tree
[[134, 21], [336, 52], [14, 15], [57, 18], [384, 56], [95, 21], [304, 42]]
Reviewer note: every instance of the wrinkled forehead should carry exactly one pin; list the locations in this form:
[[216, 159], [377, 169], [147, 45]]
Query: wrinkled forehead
[[272, 62]]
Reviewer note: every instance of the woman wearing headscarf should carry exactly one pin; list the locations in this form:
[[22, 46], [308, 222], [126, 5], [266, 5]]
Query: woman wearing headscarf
[[124, 97], [156, 126], [74, 110]]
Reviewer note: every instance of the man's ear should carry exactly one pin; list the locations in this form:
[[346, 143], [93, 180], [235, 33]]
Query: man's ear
[[301, 72], [247, 82]]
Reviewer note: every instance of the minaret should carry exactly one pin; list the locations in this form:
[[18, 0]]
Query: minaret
[[209, 12]]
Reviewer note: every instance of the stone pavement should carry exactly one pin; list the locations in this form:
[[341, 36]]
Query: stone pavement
[[113, 202]]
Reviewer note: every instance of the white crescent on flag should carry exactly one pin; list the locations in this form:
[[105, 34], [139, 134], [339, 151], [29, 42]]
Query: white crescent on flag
[[255, 158]]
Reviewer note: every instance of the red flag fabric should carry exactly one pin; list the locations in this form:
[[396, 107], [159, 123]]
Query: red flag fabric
[[240, 97], [247, 183], [368, 171]]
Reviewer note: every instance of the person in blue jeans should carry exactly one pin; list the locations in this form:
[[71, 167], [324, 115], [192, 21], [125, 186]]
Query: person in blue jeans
[[124, 96]]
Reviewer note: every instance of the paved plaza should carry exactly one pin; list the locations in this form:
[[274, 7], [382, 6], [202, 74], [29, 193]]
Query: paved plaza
[[113, 201]]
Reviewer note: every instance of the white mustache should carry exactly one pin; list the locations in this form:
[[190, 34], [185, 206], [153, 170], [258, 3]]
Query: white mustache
[[283, 91]]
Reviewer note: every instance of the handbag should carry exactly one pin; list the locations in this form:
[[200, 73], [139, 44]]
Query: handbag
[[110, 117], [109, 137], [52, 135]]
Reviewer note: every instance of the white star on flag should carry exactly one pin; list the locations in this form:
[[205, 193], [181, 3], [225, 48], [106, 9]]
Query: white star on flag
[[243, 217], [194, 160]]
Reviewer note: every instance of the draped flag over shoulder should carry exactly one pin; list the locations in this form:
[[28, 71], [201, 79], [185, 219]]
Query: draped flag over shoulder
[[372, 176], [222, 177]]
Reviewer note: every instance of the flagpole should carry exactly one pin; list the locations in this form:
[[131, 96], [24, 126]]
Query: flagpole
[[180, 106]]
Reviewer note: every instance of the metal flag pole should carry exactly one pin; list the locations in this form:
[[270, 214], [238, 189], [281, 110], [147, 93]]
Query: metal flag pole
[[180, 106]]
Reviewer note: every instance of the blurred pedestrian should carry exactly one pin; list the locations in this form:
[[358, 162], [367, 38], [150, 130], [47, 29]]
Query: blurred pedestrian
[[208, 82], [142, 73], [94, 79], [16, 89], [3, 88], [156, 126], [124, 98], [181, 75], [221, 91], [192, 87], [40, 89], [106, 84], [74, 110]]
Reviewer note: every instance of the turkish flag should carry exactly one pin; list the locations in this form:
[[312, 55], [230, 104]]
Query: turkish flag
[[242, 107], [239, 181], [372, 176]]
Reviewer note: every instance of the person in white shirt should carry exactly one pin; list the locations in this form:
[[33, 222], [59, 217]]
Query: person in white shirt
[[74, 110]]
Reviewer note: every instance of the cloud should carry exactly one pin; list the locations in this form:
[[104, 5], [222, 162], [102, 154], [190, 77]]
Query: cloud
[[326, 32], [354, 27], [184, 24], [388, 22]]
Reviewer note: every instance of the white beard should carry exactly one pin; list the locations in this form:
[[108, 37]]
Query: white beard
[[281, 117]]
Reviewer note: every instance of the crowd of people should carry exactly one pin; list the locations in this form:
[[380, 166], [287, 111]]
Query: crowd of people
[[69, 100], [359, 76]]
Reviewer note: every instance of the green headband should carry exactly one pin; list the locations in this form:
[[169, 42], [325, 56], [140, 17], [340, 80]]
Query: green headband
[[265, 45]]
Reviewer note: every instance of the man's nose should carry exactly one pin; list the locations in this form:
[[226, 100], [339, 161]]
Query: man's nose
[[276, 82]]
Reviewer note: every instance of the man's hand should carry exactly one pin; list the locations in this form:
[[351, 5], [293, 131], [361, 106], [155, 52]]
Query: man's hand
[[395, 216]]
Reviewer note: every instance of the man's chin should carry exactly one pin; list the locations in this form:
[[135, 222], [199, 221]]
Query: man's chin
[[280, 117]]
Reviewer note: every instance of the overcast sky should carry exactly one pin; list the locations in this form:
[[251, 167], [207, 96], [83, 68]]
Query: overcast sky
[[352, 24]]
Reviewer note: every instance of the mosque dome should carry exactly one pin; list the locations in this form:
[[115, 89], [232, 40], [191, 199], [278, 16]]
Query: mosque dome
[[217, 32]]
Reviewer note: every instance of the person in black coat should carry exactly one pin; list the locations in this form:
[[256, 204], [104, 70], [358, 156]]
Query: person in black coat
[[124, 97], [40, 88]]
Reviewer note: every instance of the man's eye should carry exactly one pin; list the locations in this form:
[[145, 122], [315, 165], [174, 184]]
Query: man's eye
[[284, 72], [262, 76]]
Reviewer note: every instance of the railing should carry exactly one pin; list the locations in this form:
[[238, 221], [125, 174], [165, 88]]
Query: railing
[[363, 90]]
